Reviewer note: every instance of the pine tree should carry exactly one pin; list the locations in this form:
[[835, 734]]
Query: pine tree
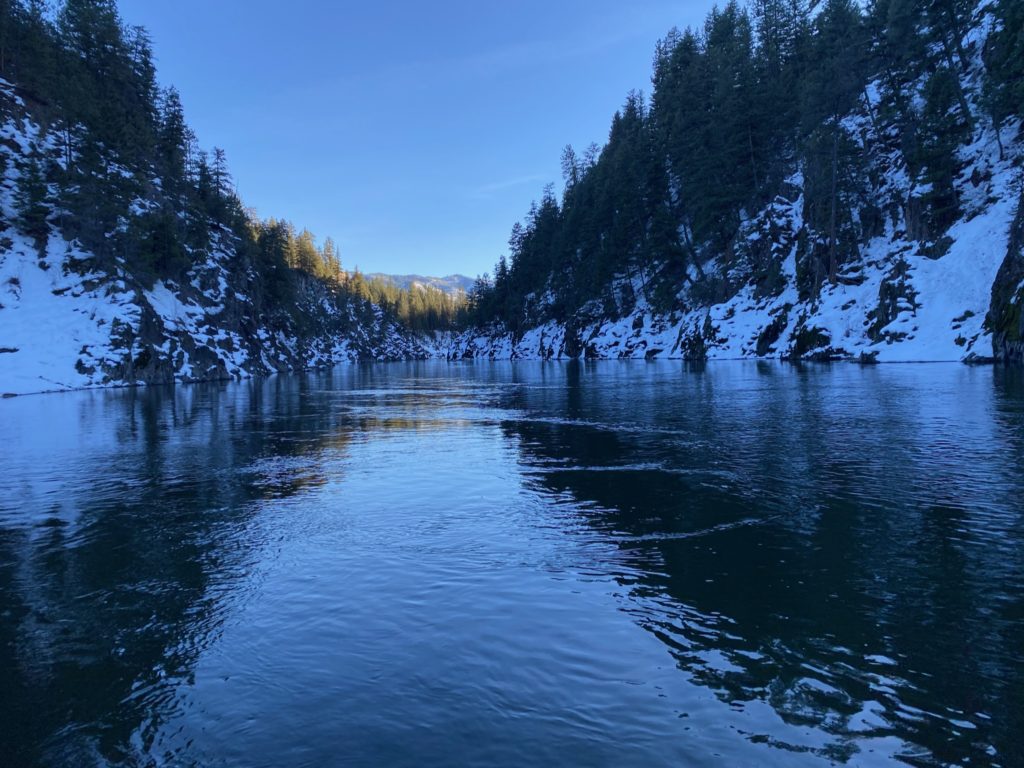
[[27, 51], [31, 198], [944, 129], [160, 252], [905, 48], [572, 168], [221, 176], [946, 23], [331, 258], [728, 170], [273, 258], [830, 91], [172, 143], [781, 37], [680, 117], [307, 257], [1004, 63]]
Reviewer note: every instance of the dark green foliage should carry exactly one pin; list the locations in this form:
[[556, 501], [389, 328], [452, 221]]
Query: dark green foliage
[[172, 143], [272, 243], [782, 38], [727, 165], [898, 24], [91, 77], [28, 54], [833, 177], [756, 96], [107, 77], [32, 196], [1004, 60], [738, 106], [281, 254], [421, 308], [832, 86], [943, 129], [160, 253], [832, 160], [118, 141]]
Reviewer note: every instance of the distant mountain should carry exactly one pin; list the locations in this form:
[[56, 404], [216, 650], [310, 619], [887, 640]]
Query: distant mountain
[[451, 284]]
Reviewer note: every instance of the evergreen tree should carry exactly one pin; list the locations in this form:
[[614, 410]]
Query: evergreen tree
[[331, 259], [172, 142], [781, 37], [572, 168], [1004, 62], [307, 257], [31, 198], [273, 260], [727, 172], [830, 91], [680, 120], [220, 175], [946, 23], [944, 129], [28, 54], [161, 253]]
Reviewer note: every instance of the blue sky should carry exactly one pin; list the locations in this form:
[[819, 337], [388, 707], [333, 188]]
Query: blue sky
[[414, 133]]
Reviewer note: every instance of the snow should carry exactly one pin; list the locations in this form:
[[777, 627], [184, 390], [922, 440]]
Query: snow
[[940, 303], [61, 329], [52, 321]]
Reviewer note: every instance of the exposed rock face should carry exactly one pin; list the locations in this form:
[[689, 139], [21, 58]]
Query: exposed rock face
[[1006, 315]]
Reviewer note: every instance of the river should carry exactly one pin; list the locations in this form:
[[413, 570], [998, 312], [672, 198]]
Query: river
[[506, 564]]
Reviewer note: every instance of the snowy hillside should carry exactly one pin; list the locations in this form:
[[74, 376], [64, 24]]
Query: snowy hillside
[[897, 304], [901, 292], [67, 321], [450, 284]]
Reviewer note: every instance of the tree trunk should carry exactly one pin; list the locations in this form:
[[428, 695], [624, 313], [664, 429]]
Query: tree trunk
[[753, 165], [691, 251], [961, 99], [958, 35], [870, 111], [832, 261]]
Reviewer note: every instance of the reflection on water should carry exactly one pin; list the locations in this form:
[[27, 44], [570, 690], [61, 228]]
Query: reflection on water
[[607, 564]]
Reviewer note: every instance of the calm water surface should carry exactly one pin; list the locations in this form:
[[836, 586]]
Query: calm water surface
[[619, 564]]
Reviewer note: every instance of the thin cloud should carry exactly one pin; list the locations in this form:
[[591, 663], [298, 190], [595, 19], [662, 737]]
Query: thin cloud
[[489, 63], [488, 191]]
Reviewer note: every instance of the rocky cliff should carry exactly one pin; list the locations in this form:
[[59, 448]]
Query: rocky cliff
[[1006, 316]]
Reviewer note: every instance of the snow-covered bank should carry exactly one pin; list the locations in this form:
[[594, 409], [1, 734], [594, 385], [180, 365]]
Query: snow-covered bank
[[896, 305], [878, 229], [903, 294], [64, 326], [70, 320]]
